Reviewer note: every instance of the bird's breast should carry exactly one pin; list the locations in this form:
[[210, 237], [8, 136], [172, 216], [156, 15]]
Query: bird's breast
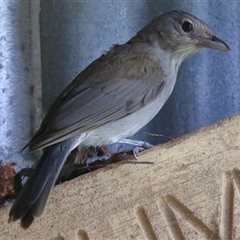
[[130, 124]]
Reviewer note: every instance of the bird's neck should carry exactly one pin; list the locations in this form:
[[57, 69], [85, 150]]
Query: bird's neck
[[164, 49], [146, 35]]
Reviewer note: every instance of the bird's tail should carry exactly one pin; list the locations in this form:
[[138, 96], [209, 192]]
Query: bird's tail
[[32, 198]]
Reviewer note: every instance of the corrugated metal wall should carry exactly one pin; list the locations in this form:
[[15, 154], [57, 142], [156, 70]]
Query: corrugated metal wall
[[20, 81], [74, 33]]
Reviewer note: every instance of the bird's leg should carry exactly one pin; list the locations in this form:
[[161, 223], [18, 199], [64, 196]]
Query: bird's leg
[[93, 155], [138, 146]]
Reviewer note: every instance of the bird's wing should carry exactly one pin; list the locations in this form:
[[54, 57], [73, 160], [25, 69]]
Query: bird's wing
[[111, 88]]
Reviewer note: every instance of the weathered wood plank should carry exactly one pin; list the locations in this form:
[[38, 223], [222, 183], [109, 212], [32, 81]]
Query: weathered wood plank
[[191, 191]]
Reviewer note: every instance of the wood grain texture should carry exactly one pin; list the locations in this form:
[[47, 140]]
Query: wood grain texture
[[192, 191]]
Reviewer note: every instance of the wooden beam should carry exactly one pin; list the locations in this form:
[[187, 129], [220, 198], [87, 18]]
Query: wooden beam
[[192, 191]]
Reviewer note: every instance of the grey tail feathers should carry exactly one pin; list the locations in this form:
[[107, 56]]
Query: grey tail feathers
[[32, 198]]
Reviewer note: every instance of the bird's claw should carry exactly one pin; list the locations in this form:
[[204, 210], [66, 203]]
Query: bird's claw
[[137, 150], [140, 147]]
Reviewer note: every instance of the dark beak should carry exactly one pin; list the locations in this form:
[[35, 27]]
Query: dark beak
[[215, 43]]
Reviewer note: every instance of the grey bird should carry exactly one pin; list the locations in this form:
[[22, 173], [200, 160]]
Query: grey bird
[[113, 98]]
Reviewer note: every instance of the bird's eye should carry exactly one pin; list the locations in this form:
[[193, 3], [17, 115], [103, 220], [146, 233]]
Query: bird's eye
[[186, 26]]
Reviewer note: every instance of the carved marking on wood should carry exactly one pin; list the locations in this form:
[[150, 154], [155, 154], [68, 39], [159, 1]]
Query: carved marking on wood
[[236, 180], [230, 179], [169, 207], [145, 224], [170, 218], [226, 207], [82, 235], [169, 204]]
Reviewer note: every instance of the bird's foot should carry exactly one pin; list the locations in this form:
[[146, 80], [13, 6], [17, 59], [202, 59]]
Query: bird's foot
[[137, 150], [138, 146]]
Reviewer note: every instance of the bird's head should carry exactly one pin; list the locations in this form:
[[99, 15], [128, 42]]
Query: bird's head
[[182, 34]]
